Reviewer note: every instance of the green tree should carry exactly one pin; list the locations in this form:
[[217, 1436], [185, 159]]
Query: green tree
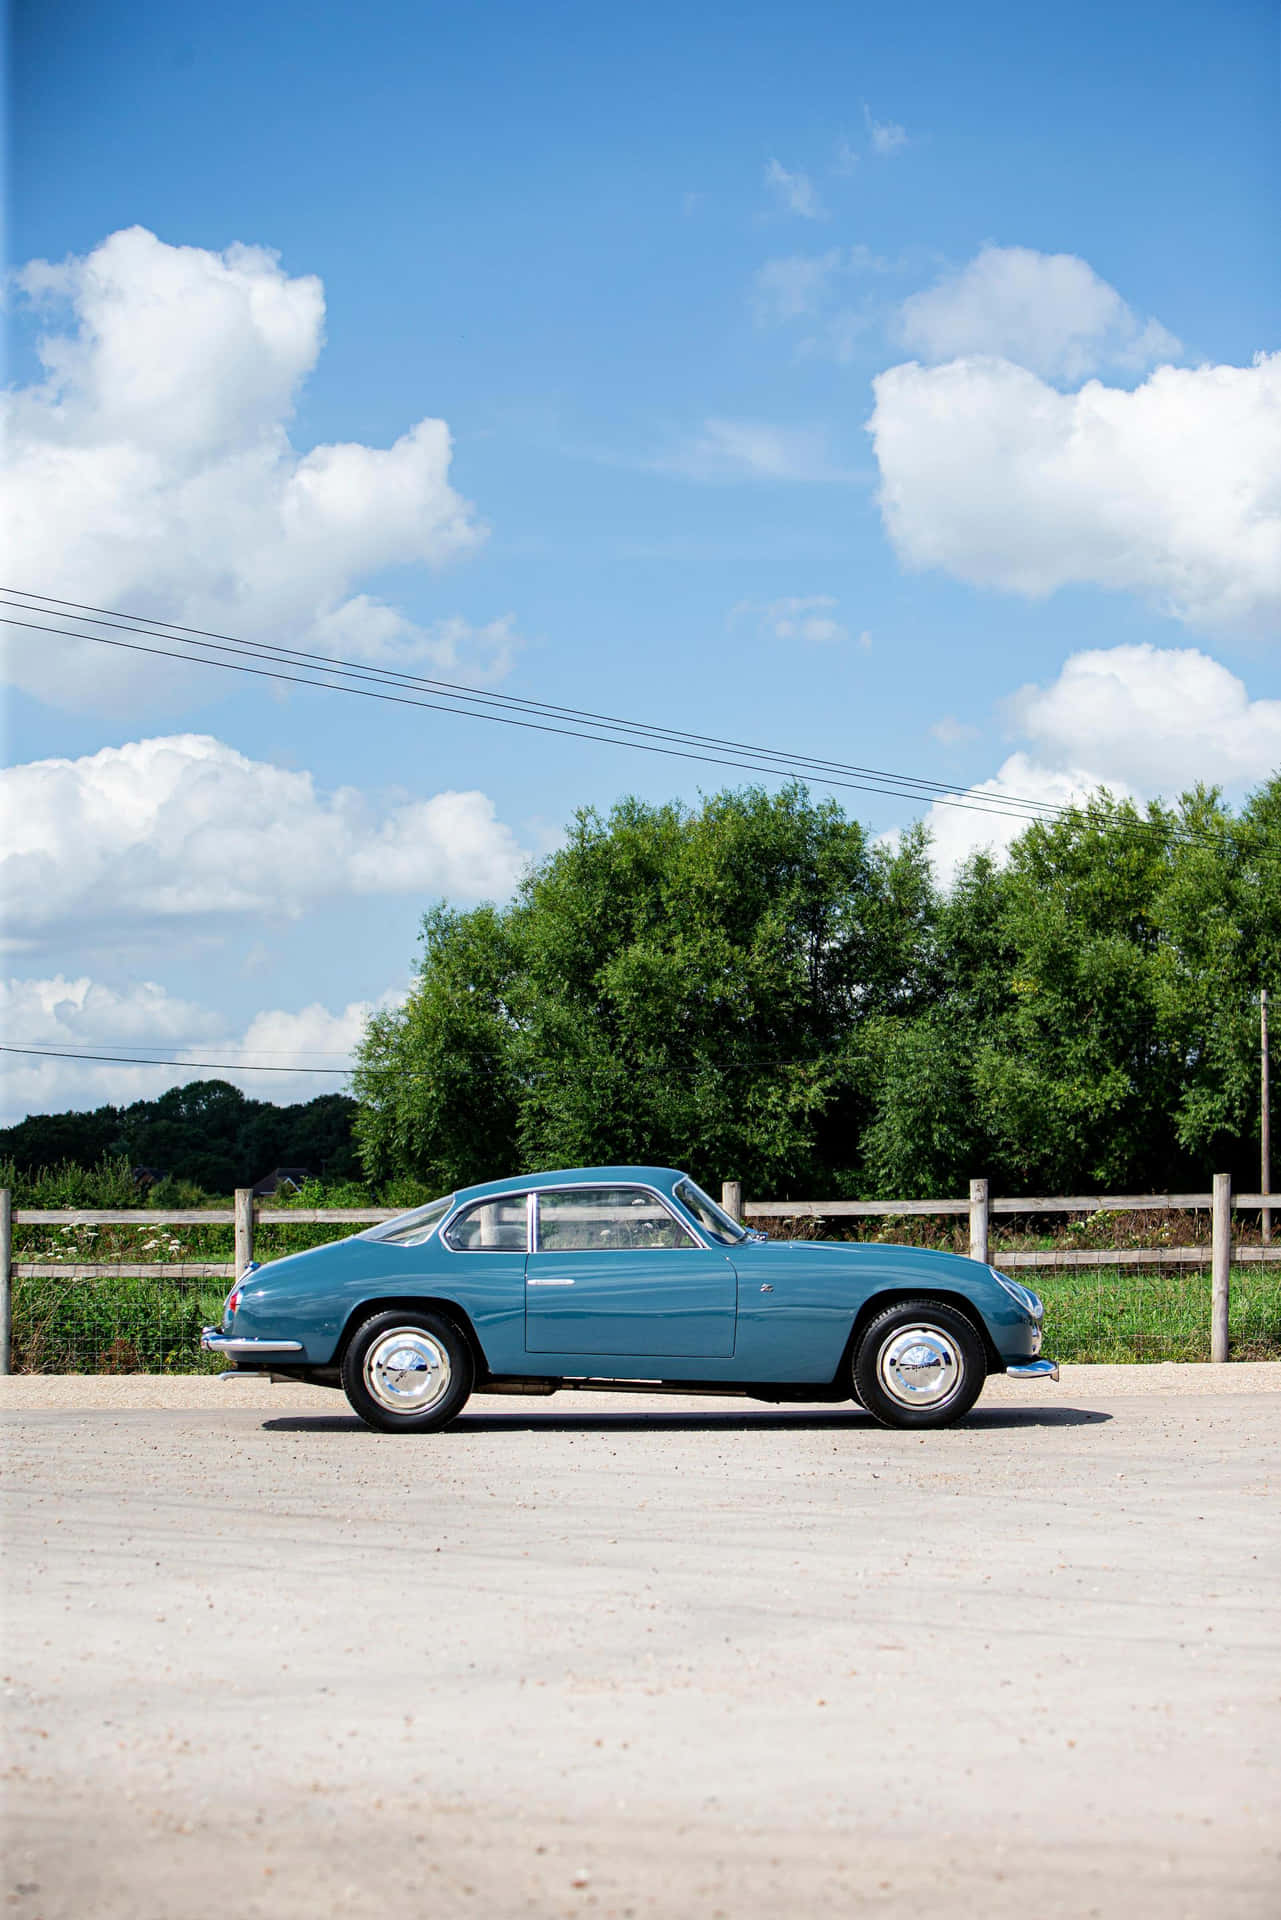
[[673, 984], [1093, 1014], [1220, 918], [437, 1080]]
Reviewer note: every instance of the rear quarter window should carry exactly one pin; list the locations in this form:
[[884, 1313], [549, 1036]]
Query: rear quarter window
[[489, 1226]]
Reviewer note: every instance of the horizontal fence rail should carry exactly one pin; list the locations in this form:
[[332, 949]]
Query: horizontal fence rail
[[197, 1216], [158, 1301], [123, 1270], [1066, 1203]]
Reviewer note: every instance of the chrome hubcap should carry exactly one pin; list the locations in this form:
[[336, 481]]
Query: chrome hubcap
[[406, 1370], [919, 1366]]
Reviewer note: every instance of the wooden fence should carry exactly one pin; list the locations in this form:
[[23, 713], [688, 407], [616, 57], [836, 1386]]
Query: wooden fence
[[980, 1207]]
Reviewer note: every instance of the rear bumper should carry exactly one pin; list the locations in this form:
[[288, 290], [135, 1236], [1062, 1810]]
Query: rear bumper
[[1034, 1370], [215, 1342]]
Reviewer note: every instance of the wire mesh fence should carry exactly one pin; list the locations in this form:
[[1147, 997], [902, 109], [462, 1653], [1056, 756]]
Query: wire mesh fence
[[119, 1320], [129, 1292], [1154, 1310]]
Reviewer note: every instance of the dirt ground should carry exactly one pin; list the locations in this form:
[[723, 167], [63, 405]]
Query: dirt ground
[[613, 1656]]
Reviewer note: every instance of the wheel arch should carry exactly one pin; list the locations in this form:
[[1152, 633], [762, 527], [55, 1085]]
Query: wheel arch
[[413, 1303], [891, 1296]]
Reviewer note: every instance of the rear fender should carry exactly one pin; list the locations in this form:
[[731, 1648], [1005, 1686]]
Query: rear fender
[[413, 1304]]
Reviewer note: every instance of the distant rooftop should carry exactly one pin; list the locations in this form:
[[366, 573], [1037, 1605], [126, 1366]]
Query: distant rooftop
[[280, 1180]]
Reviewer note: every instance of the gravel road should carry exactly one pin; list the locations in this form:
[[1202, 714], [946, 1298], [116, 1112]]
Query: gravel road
[[603, 1656]]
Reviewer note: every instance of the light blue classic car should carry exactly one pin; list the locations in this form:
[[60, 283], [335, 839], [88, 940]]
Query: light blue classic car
[[624, 1279]]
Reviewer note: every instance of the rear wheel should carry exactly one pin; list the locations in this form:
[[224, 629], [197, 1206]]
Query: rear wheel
[[407, 1372], [919, 1364]]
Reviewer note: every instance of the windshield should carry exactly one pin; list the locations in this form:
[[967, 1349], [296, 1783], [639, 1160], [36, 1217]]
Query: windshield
[[715, 1222], [411, 1229]]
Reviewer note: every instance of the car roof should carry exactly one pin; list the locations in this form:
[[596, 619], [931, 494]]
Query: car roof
[[664, 1178]]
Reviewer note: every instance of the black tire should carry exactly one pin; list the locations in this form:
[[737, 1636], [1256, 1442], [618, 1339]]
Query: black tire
[[955, 1377], [426, 1344]]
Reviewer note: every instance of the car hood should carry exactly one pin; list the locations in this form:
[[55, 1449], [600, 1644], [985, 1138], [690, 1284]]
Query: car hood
[[882, 1254]]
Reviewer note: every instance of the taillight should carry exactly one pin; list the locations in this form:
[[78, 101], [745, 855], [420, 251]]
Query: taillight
[[232, 1303]]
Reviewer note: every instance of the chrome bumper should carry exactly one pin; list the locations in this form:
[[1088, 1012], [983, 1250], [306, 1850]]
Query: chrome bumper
[[1035, 1370], [214, 1342]]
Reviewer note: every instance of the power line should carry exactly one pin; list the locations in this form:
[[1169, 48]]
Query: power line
[[778, 767], [315, 662], [370, 682], [141, 1048], [130, 1060]]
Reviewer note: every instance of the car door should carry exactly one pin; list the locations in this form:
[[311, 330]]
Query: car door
[[612, 1270]]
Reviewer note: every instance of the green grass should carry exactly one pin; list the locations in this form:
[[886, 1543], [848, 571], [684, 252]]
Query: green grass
[[1135, 1314]]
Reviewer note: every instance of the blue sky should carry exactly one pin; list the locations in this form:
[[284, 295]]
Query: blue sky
[[647, 267]]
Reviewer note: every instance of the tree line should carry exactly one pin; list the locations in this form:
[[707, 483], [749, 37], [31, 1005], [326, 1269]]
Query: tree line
[[206, 1136], [755, 988]]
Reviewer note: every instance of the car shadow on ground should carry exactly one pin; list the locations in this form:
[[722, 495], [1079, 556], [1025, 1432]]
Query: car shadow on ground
[[786, 1420]]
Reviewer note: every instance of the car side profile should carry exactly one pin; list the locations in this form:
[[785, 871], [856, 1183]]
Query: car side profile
[[624, 1279]]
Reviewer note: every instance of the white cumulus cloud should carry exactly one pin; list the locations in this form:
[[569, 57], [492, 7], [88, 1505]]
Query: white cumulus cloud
[[1171, 491], [1145, 722], [1158, 718], [1047, 311], [150, 468], [286, 1049], [184, 829]]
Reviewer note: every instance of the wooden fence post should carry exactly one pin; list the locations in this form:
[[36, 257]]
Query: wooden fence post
[[732, 1199], [244, 1228], [1220, 1265], [1265, 1122], [978, 1220], [6, 1280]]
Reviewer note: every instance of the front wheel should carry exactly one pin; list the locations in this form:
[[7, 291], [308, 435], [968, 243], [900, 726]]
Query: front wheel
[[919, 1364], [407, 1372]]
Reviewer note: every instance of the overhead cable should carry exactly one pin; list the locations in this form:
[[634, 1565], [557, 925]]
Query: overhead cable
[[296, 666], [130, 1060]]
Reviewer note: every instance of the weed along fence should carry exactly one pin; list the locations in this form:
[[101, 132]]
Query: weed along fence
[[1130, 1277]]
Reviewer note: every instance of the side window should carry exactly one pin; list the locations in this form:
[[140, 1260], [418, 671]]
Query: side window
[[592, 1219], [411, 1229], [490, 1226]]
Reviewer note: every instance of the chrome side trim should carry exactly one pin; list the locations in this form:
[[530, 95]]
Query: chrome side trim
[[214, 1342], [548, 1283], [1035, 1370]]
